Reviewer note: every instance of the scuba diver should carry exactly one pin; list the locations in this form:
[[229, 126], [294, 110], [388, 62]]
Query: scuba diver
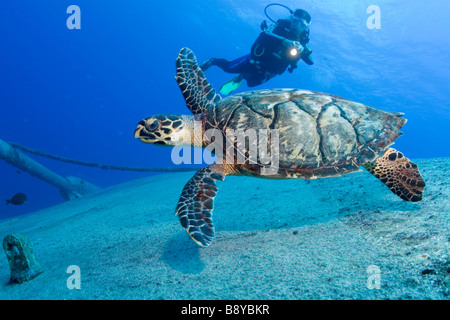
[[278, 47]]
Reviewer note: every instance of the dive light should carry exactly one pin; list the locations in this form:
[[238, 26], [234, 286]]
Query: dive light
[[294, 49], [293, 52]]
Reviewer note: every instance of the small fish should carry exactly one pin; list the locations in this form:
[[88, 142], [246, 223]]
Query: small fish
[[17, 199]]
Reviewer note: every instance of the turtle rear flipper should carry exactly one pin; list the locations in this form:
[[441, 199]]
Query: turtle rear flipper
[[197, 201], [399, 174], [197, 91]]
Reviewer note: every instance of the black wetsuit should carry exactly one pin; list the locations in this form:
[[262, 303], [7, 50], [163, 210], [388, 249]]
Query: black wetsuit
[[268, 56]]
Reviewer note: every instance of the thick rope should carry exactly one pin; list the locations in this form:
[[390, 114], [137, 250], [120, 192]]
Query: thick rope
[[97, 165]]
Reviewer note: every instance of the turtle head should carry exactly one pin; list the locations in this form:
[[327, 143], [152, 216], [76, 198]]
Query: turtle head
[[166, 130]]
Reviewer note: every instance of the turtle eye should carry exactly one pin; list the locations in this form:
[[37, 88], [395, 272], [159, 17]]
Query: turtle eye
[[153, 126]]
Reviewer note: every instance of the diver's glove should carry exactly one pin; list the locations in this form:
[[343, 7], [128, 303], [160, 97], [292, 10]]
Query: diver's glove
[[293, 49], [293, 44]]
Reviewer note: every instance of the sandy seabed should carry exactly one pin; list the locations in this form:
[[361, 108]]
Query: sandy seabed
[[283, 239]]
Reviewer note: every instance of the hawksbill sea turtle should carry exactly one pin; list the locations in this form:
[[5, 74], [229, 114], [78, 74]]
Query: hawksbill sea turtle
[[319, 136]]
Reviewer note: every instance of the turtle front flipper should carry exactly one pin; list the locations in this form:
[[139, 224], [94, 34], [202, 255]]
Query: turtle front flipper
[[197, 201], [197, 91], [399, 174]]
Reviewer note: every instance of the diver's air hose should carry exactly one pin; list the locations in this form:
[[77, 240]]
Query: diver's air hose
[[276, 4]]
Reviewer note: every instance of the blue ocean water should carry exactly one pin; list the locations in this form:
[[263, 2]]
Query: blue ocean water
[[80, 93]]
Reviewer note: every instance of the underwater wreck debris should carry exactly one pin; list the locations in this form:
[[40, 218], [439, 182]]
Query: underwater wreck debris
[[98, 165], [19, 160], [21, 258], [69, 187]]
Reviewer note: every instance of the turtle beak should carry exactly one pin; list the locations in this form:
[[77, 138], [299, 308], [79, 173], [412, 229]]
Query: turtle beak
[[137, 132]]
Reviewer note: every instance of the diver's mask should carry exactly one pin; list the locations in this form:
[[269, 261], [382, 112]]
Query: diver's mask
[[299, 24], [300, 21]]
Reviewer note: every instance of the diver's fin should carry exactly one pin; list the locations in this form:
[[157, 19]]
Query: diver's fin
[[231, 85]]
